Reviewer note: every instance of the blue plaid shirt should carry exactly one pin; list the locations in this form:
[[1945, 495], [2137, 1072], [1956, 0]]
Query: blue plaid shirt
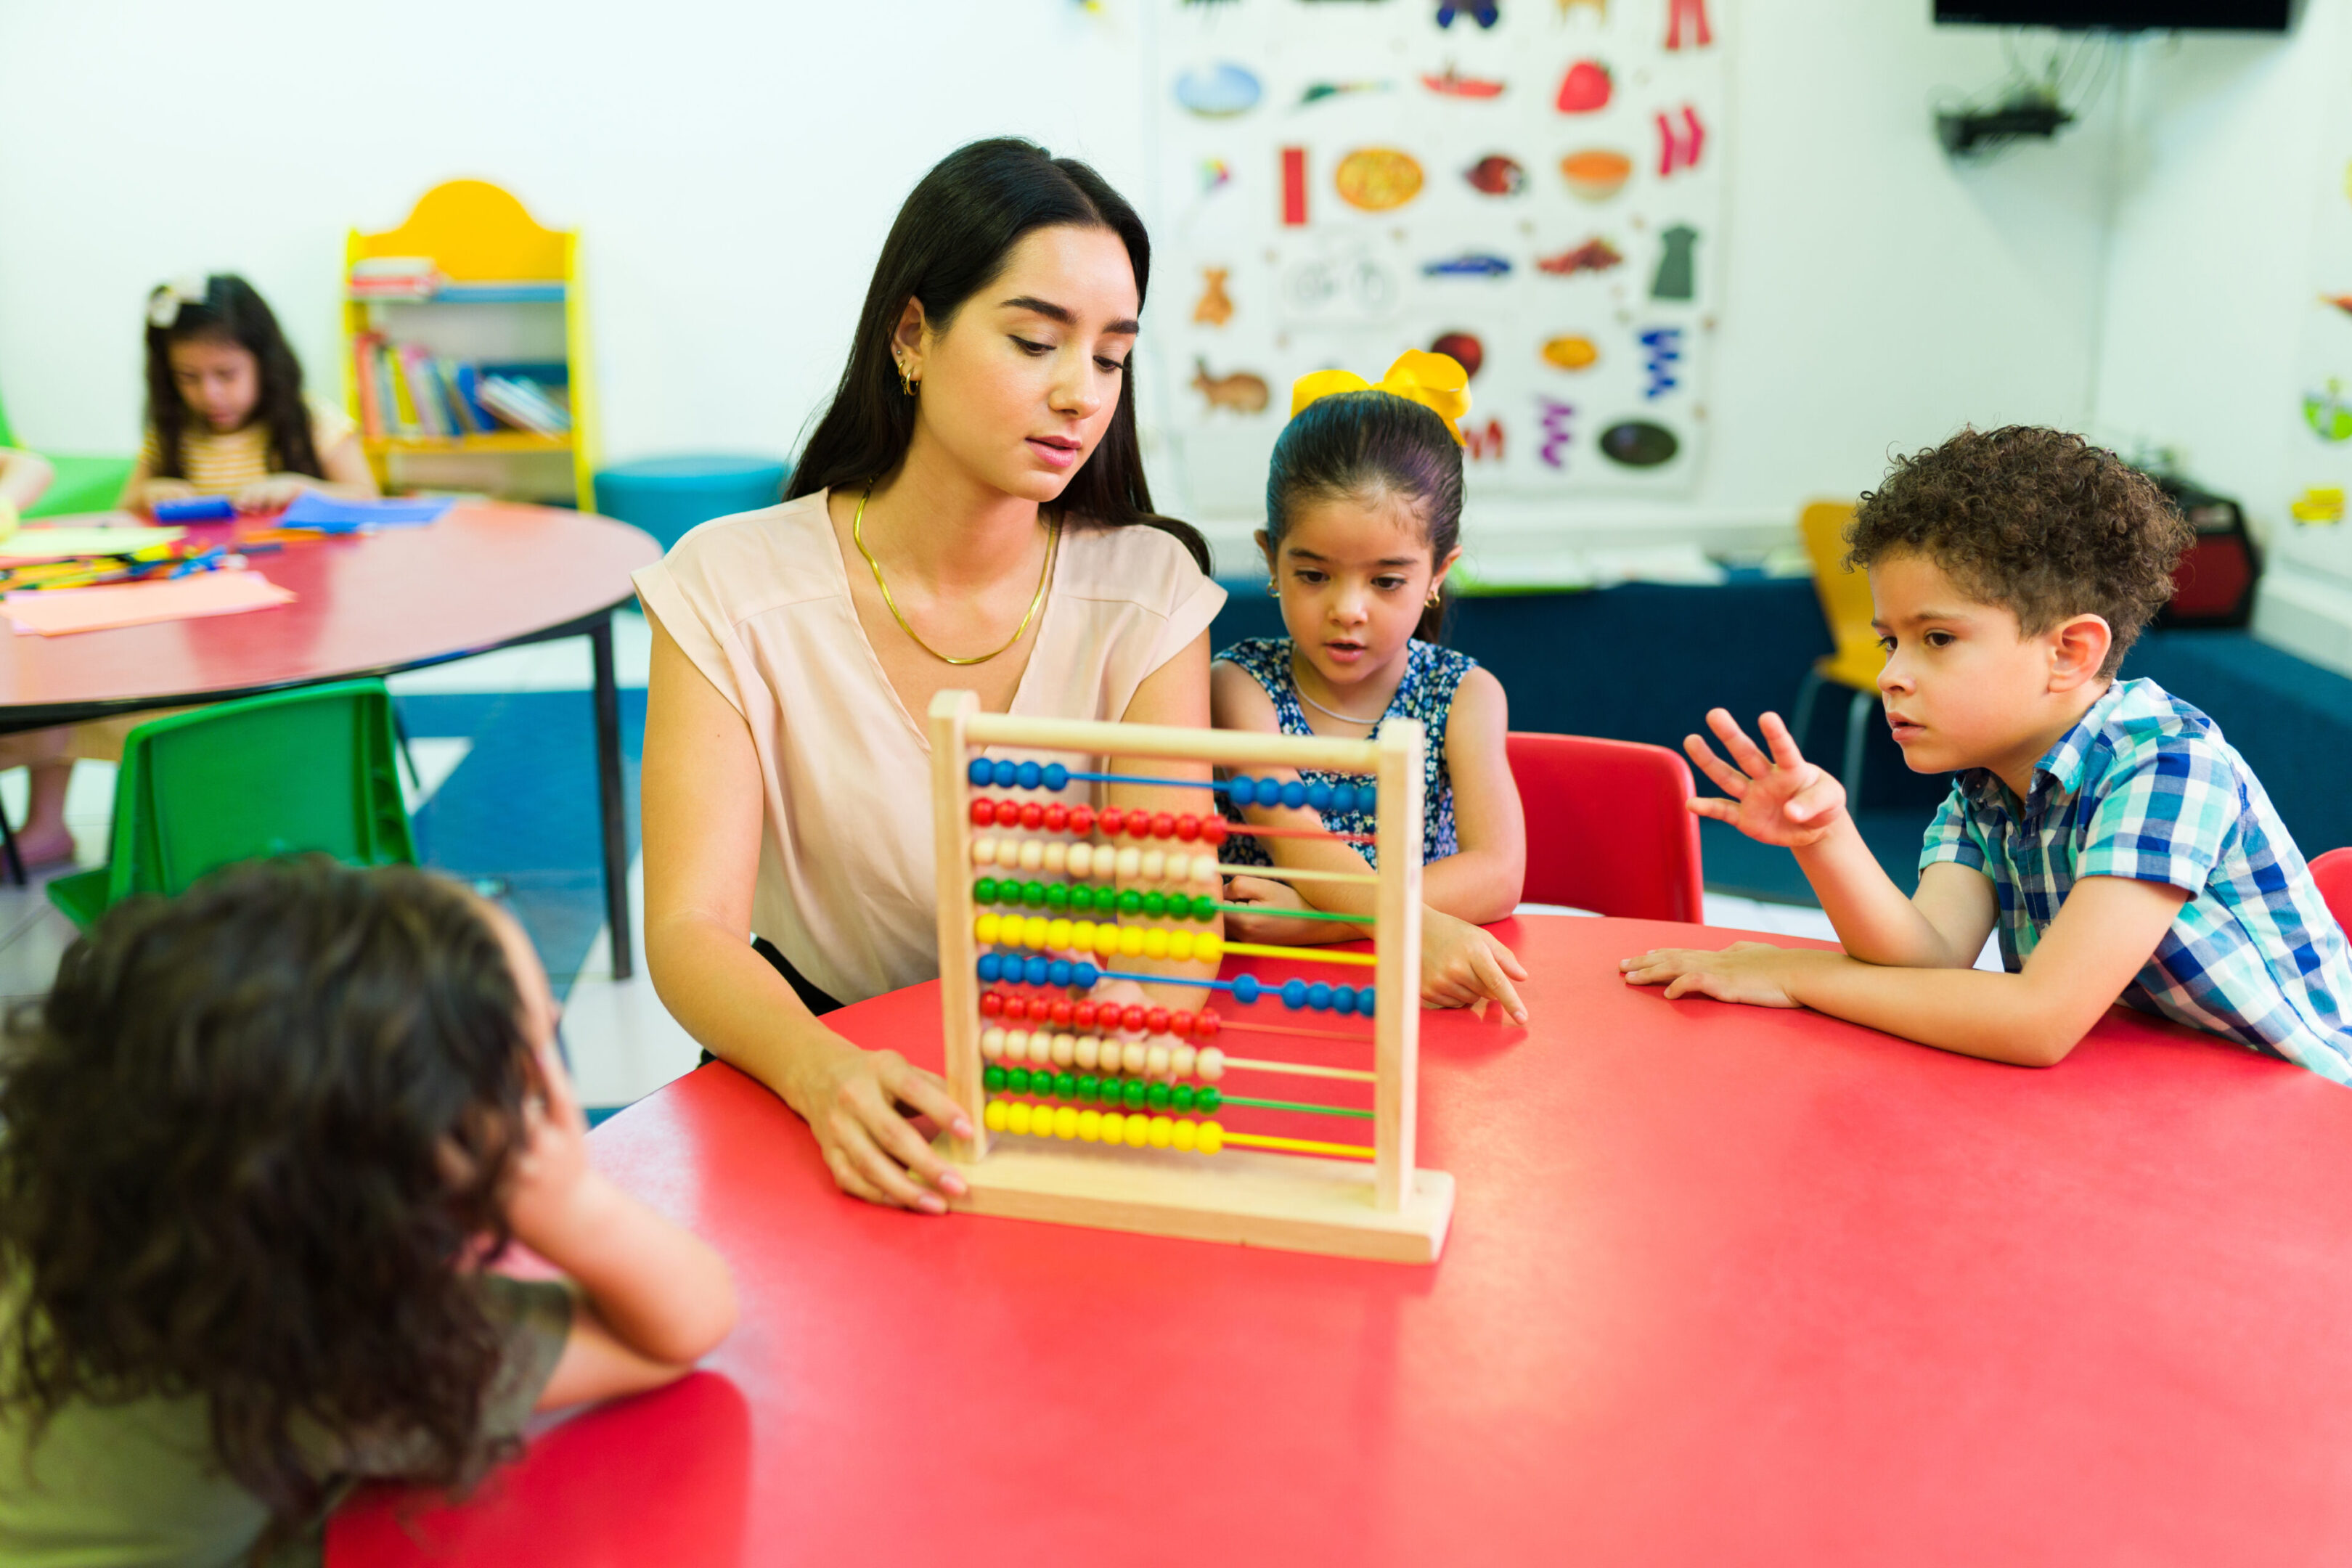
[[2145, 787]]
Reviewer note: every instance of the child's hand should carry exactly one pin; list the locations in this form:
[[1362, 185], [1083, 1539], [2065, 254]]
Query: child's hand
[[551, 1176], [1754, 973], [155, 492], [275, 493], [1269, 917], [1782, 799], [1462, 967]]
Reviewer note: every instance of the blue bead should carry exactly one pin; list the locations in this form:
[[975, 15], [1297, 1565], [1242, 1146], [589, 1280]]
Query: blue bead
[[1084, 975], [1034, 971], [1318, 795], [1364, 1001], [1056, 777], [1240, 790], [1294, 994], [1029, 775], [990, 965], [1343, 1001], [1343, 797], [980, 772], [1294, 795], [1318, 997], [1004, 772], [1245, 989], [1058, 972]]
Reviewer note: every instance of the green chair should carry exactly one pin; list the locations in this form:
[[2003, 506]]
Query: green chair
[[82, 484], [280, 774]]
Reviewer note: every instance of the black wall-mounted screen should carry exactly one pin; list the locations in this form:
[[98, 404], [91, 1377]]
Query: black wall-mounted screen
[[2242, 16]]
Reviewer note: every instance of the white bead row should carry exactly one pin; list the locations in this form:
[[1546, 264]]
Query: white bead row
[[1094, 1053], [1100, 862]]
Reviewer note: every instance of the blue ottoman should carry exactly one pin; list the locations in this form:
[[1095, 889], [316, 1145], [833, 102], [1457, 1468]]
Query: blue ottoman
[[666, 495]]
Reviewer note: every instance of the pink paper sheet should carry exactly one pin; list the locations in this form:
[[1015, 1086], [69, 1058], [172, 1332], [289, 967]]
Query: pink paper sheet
[[64, 610]]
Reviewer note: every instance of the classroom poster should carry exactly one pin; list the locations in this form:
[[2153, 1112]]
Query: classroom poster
[[1534, 187]]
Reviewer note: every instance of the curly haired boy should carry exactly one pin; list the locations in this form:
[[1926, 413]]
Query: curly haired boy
[[2119, 846]]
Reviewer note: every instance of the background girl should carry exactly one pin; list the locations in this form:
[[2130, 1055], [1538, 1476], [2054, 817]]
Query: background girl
[[225, 412], [1363, 506], [260, 1140]]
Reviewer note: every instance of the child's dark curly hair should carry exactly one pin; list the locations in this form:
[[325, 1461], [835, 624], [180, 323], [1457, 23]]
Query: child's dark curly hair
[[2038, 522], [256, 1139]]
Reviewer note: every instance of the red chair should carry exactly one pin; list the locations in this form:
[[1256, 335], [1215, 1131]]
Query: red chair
[[2333, 872], [1608, 829]]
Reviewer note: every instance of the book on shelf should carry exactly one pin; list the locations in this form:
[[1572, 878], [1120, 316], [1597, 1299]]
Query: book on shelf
[[524, 405], [407, 391], [395, 278]]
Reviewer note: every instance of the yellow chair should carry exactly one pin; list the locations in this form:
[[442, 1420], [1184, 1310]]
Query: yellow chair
[[1846, 605]]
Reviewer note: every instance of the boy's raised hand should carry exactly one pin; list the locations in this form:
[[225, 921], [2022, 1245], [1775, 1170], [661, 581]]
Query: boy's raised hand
[[1778, 799]]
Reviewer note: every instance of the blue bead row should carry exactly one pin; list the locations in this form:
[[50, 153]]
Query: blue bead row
[[1243, 791], [1298, 996], [1017, 775], [1014, 969]]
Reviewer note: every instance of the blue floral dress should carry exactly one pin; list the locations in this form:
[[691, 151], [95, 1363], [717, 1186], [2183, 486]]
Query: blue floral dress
[[1431, 676]]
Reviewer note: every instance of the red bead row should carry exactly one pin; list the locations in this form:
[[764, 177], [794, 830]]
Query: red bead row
[[1011, 1007], [1083, 819]]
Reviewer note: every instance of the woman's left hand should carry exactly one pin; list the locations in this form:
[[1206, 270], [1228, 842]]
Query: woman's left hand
[[275, 493]]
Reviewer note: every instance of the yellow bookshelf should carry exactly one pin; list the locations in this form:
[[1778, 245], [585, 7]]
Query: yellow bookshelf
[[513, 293]]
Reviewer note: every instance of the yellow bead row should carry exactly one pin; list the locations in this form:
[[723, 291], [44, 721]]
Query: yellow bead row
[[1100, 937], [1136, 1131]]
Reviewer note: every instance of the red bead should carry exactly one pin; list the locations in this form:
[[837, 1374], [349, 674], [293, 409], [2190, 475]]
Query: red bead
[[1082, 1016], [991, 1004], [1131, 1020], [983, 812], [1206, 1026], [1061, 1012], [1016, 1008], [1082, 819], [1033, 816], [1181, 1026], [1164, 825], [1212, 831], [1138, 825], [1111, 819], [1156, 1021], [1188, 827], [1057, 817]]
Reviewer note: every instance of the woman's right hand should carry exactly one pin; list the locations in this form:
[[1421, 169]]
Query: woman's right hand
[[856, 1102]]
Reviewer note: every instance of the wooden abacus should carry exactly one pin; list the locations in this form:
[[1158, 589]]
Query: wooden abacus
[[1102, 1120]]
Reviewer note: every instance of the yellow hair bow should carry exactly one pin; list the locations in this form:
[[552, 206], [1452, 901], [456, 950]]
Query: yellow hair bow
[[1434, 381]]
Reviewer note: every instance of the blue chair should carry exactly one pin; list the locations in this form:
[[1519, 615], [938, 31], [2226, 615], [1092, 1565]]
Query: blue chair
[[668, 496]]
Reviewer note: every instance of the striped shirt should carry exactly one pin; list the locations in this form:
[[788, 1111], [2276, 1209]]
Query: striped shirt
[[219, 463], [2145, 787]]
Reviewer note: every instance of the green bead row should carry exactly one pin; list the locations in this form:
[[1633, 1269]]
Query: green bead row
[[1077, 899], [1112, 1093]]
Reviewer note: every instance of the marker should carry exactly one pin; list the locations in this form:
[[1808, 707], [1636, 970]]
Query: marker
[[208, 561]]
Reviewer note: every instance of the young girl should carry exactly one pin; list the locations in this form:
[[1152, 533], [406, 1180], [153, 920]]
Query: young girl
[[260, 1141], [225, 411], [1363, 507]]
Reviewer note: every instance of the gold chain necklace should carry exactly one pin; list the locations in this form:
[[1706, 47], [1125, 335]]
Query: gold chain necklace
[[857, 537]]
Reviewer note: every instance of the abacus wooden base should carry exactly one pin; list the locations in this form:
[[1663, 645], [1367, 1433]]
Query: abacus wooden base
[[1298, 1203]]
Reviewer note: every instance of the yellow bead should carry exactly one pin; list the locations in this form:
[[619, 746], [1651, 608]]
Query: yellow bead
[[1154, 865], [1082, 936], [1185, 1136], [1209, 948], [1016, 1117], [1212, 1137], [1180, 946], [993, 1117], [1163, 1131], [1065, 1122], [987, 926], [1114, 1127], [1089, 1125], [983, 851], [1058, 935], [1032, 856], [1107, 940], [1034, 930], [1130, 941], [1138, 1132], [1155, 944]]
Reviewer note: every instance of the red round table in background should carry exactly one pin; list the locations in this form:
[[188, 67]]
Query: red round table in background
[[485, 576], [1724, 1285]]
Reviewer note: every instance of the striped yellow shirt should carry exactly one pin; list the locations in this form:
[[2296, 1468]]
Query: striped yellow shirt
[[221, 465]]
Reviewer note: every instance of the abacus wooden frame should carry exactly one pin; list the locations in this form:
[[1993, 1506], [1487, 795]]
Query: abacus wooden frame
[[1394, 1213]]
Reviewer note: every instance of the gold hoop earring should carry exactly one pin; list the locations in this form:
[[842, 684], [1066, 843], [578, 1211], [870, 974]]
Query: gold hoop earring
[[906, 382], [1436, 597]]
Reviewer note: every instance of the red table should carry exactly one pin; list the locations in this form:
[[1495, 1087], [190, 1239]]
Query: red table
[[485, 576], [1724, 1286]]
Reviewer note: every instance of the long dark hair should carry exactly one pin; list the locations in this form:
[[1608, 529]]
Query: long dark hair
[[227, 1170], [951, 238], [230, 308], [1350, 443]]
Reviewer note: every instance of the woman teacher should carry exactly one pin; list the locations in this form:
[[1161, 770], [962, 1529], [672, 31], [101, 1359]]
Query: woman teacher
[[970, 514]]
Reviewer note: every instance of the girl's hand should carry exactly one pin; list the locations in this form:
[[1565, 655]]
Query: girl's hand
[[154, 493], [1462, 967], [275, 493], [1781, 799], [1754, 973], [549, 1190], [1268, 918], [857, 1103]]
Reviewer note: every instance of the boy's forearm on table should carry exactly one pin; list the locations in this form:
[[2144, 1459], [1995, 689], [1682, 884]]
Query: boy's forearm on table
[[1971, 1012]]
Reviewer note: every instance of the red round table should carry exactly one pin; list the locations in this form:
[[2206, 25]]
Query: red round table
[[1724, 1285], [484, 576]]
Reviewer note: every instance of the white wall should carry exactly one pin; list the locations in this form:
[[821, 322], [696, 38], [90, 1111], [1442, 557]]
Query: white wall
[[734, 166]]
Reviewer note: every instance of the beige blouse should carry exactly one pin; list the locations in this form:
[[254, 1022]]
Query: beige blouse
[[760, 602]]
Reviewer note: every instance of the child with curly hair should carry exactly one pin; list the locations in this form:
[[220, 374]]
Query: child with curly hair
[[2105, 828], [261, 1142]]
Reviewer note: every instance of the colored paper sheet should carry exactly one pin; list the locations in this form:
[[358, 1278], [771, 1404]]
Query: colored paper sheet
[[311, 509], [64, 543], [66, 610]]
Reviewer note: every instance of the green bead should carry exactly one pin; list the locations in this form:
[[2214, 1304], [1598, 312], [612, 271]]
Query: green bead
[[1130, 902], [1082, 899], [1157, 1097], [1065, 1087], [1155, 903], [1204, 907], [1088, 1086], [992, 1079], [1057, 897], [1209, 1099], [983, 893], [1034, 895], [1133, 1092], [1017, 1080], [1183, 1096]]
